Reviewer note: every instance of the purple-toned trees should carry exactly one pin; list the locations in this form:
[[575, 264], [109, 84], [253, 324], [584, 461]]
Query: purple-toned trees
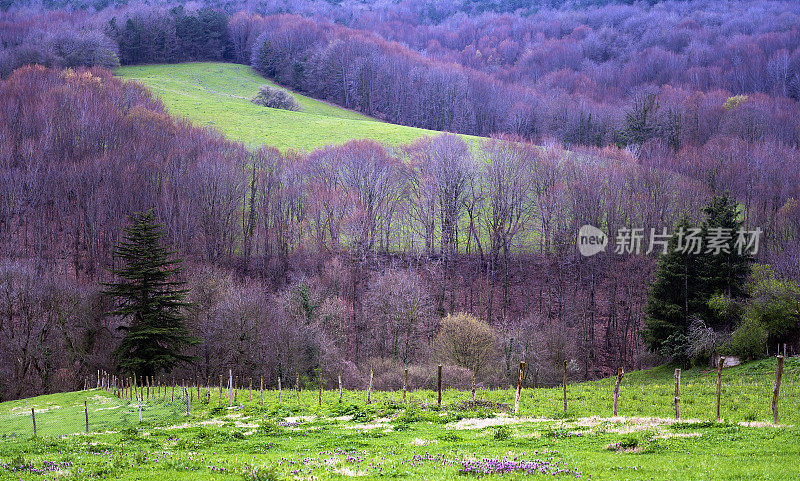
[[401, 315], [507, 203], [48, 326], [376, 180], [444, 169]]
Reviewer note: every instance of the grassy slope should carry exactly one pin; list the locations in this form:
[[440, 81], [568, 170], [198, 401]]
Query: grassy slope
[[387, 436], [217, 95]]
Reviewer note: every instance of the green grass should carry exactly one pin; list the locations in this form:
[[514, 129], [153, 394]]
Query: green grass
[[418, 441], [217, 95]]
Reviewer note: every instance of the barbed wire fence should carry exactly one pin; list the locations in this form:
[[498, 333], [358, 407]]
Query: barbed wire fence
[[113, 404]]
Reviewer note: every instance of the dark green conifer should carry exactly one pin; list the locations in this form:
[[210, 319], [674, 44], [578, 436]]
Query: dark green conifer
[[150, 299], [674, 294]]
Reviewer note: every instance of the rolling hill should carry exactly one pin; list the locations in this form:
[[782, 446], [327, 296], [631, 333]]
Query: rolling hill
[[217, 95]]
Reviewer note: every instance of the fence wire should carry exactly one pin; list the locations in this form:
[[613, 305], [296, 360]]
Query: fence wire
[[745, 397]]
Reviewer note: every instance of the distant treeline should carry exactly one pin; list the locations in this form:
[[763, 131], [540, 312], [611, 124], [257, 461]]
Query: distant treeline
[[625, 75], [685, 86]]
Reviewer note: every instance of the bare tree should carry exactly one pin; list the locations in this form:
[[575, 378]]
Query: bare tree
[[400, 313], [507, 201]]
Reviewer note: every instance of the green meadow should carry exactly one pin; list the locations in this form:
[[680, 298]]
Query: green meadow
[[217, 95], [418, 439]]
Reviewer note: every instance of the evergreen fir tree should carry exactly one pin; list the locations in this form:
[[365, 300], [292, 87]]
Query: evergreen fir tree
[[723, 272], [685, 281], [148, 296], [673, 296]]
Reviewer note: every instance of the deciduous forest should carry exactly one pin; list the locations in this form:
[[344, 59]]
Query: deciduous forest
[[350, 258]]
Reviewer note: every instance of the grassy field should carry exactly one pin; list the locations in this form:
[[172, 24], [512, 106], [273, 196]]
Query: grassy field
[[218, 95], [419, 440]]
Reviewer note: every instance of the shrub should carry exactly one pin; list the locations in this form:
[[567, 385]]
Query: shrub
[[775, 304], [676, 347], [726, 310], [747, 341], [269, 428], [702, 341], [466, 341], [389, 374], [275, 98]]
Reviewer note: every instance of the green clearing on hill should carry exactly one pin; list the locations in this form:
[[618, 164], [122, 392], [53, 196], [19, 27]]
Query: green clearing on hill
[[387, 438], [217, 95]]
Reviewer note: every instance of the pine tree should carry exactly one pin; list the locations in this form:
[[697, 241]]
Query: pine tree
[[724, 272], [685, 281], [674, 295], [150, 299]]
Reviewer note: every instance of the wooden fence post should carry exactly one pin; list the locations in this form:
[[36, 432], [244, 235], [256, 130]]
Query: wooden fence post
[[720, 363], [139, 398], [230, 387], [33, 417], [519, 387], [565, 385], [439, 384], [86, 413], [405, 384], [620, 373], [186, 393], [279, 390], [297, 387], [473, 388], [340, 387], [677, 393], [261, 391], [369, 389], [776, 389]]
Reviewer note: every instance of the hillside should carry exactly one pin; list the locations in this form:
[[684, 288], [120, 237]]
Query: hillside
[[334, 439], [217, 95]]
